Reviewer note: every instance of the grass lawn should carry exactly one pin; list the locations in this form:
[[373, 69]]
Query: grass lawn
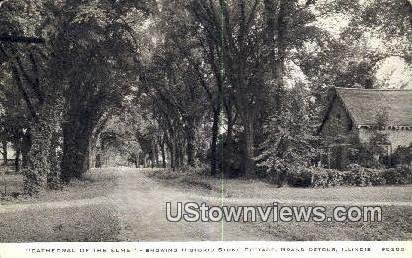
[[243, 188], [396, 225], [93, 184], [396, 221], [87, 223], [94, 222]]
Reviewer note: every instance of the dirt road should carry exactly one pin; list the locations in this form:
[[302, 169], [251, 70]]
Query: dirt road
[[141, 203]]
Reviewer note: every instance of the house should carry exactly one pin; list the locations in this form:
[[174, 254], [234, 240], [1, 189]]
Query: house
[[354, 114]]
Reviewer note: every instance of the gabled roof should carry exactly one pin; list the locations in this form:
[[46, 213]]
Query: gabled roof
[[363, 105]]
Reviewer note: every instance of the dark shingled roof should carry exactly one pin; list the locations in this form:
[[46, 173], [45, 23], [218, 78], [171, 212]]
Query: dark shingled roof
[[364, 104]]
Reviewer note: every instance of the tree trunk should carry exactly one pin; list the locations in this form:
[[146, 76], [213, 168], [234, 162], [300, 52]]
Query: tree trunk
[[176, 153], [4, 152], [144, 160], [76, 142], [172, 156], [25, 149], [162, 149], [215, 132], [248, 162], [17, 160], [39, 165], [153, 152], [282, 31], [190, 138], [53, 178], [152, 162], [180, 152], [92, 155]]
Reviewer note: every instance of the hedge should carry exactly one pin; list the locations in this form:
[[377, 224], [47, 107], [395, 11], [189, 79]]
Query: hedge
[[354, 176]]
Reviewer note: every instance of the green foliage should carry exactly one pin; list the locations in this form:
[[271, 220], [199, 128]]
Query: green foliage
[[399, 175], [402, 156], [355, 176], [289, 143]]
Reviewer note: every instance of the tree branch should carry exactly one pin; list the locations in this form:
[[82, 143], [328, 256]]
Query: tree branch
[[21, 39]]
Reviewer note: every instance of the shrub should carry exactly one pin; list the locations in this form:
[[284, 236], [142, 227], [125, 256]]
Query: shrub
[[398, 176], [277, 173], [302, 177], [360, 176], [323, 177], [355, 175], [402, 155], [320, 177]]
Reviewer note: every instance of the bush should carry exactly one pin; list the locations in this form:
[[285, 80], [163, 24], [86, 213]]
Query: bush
[[402, 155], [276, 174], [320, 177], [398, 176], [355, 176], [361, 176], [302, 177]]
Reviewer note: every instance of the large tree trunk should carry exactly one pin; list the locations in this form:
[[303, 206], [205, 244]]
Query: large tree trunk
[[53, 179], [39, 165], [190, 138], [76, 142], [190, 153], [248, 162]]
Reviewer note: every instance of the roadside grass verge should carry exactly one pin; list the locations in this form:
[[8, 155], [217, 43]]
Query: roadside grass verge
[[88, 223], [396, 225], [198, 180], [95, 183]]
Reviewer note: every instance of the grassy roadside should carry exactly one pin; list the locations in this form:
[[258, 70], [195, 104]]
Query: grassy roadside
[[247, 188], [94, 184], [94, 222], [91, 223], [396, 223]]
